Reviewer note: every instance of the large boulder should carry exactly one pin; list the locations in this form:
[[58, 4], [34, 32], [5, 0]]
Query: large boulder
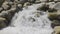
[[21, 1]]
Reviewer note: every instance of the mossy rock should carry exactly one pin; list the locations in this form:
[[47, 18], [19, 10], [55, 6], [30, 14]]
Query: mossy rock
[[1, 2]]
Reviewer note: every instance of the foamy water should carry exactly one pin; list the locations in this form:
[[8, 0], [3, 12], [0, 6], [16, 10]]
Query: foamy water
[[29, 21]]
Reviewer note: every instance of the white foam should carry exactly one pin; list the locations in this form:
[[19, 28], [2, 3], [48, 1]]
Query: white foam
[[27, 22]]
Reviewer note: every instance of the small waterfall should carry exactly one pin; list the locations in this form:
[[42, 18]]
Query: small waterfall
[[29, 21]]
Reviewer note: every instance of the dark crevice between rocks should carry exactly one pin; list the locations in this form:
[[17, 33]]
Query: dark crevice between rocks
[[55, 23], [43, 8]]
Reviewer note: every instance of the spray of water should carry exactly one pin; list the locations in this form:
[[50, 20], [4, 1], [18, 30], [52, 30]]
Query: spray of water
[[29, 21]]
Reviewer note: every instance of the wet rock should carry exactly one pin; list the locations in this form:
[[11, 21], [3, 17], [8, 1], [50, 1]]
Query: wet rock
[[37, 14], [55, 23], [58, 17], [56, 0], [53, 16], [57, 30], [31, 1], [44, 0], [21, 1], [2, 22], [12, 11], [6, 6], [27, 4], [58, 11], [17, 1], [44, 7], [51, 0], [1, 9], [32, 19], [52, 10], [12, 0], [37, 1], [7, 15], [19, 7], [57, 6], [10, 3], [51, 4]]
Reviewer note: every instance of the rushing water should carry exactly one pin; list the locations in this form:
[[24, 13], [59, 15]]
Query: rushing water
[[29, 21]]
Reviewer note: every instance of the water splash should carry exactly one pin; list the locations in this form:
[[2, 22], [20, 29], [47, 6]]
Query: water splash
[[29, 21]]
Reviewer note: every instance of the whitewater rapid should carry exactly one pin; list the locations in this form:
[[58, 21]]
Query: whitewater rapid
[[29, 21]]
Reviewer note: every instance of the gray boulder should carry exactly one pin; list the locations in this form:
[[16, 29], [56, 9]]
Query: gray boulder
[[57, 6]]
